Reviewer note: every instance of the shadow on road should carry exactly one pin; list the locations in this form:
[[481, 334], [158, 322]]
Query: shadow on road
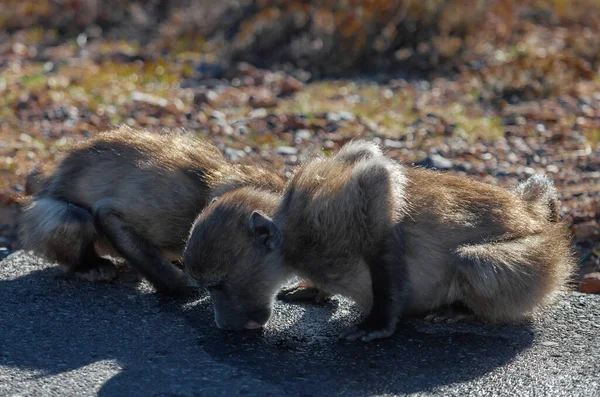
[[54, 325]]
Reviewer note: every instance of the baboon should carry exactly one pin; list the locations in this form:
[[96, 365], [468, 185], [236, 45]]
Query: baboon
[[221, 256], [399, 241], [129, 194]]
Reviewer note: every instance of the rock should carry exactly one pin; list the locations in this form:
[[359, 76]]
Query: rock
[[392, 144], [234, 154], [435, 161], [244, 69], [290, 85], [295, 123], [4, 251], [346, 116], [209, 70], [205, 96], [590, 283], [217, 115], [257, 113], [333, 117], [303, 134], [287, 150], [262, 99], [149, 99]]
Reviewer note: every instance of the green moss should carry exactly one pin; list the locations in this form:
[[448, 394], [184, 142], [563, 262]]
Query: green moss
[[33, 81]]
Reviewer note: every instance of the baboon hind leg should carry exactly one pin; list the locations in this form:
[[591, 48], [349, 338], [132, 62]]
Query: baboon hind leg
[[64, 233], [304, 292], [92, 267], [451, 314], [504, 281], [140, 253]]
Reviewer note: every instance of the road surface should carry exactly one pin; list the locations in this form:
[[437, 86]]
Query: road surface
[[68, 337]]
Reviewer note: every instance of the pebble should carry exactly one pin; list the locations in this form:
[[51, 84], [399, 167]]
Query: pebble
[[435, 161], [234, 154], [217, 115], [392, 144], [303, 134], [290, 85], [346, 116], [590, 283], [287, 150]]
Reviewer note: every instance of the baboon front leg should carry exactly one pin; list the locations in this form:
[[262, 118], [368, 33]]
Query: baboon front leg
[[304, 292], [382, 319], [141, 254]]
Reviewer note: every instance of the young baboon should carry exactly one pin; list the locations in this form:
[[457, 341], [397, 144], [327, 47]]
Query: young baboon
[[398, 241], [221, 256], [129, 194]]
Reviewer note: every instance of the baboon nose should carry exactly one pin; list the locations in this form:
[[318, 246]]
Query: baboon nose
[[252, 325]]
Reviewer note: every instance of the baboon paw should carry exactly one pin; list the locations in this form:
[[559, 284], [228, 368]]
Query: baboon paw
[[303, 293], [450, 317], [101, 273], [366, 335]]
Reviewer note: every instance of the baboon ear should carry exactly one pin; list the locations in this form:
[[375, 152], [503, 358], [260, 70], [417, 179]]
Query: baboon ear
[[267, 234]]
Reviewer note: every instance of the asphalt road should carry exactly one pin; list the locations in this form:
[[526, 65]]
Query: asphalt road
[[70, 337]]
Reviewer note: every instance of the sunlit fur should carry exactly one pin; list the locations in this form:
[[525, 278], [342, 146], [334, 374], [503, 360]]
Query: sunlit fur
[[127, 193], [501, 253]]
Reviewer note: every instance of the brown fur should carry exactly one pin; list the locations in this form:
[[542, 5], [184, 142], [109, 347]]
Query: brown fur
[[132, 194], [358, 223], [220, 255]]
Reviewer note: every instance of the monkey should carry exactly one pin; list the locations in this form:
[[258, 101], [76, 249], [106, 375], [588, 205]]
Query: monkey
[[128, 194], [220, 256], [399, 241]]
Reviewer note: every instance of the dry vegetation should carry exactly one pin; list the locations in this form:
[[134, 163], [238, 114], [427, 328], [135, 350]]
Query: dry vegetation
[[493, 89]]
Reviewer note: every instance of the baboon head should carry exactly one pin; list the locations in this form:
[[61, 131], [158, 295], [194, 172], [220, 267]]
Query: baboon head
[[233, 253]]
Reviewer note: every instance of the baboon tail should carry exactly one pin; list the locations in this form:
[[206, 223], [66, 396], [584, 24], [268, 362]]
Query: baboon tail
[[355, 151], [508, 279], [56, 230], [540, 193]]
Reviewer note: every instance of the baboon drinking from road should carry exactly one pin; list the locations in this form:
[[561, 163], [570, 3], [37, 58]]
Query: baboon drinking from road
[[129, 194], [398, 241]]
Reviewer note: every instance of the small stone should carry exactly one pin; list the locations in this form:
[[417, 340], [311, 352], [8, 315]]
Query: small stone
[[262, 99], [303, 134], [287, 150], [333, 117], [217, 115], [257, 113], [234, 154], [590, 283], [245, 389], [435, 161], [392, 144], [205, 96], [346, 116], [290, 85]]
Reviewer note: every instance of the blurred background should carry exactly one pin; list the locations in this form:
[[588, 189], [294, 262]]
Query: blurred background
[[495, 89]]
